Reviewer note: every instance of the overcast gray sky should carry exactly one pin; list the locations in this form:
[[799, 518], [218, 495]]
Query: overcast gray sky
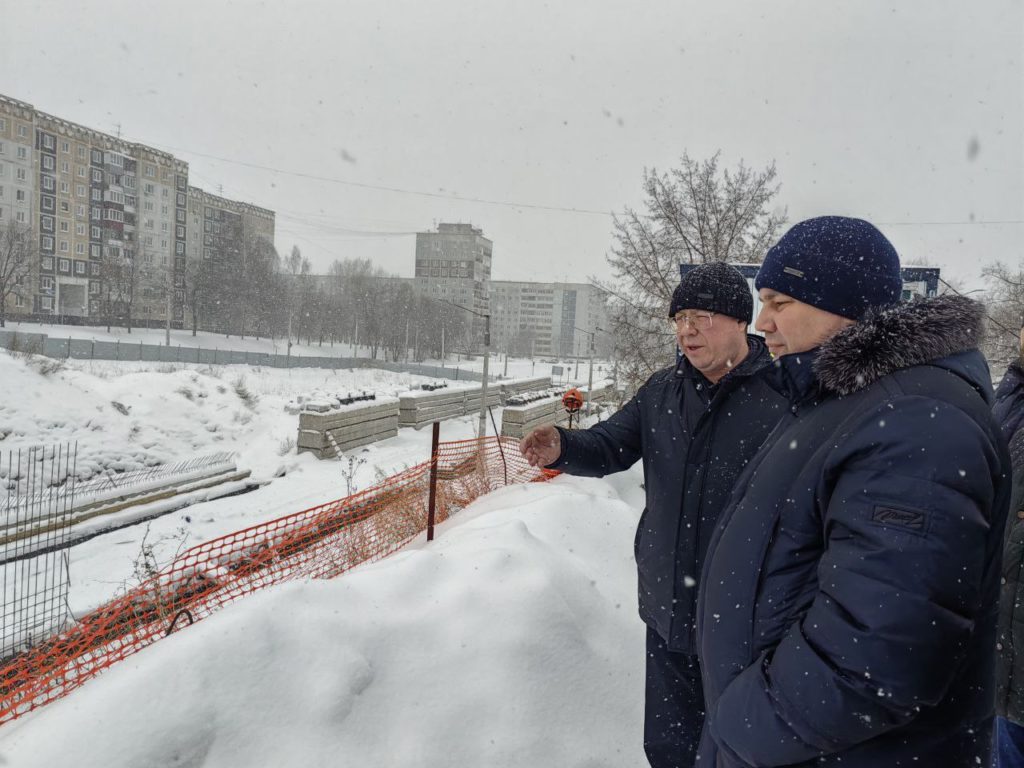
[[907, 113]]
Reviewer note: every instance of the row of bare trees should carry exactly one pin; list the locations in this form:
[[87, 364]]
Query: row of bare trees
[[251, 291]]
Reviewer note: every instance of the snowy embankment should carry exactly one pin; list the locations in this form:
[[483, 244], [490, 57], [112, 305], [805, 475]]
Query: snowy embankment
[[511, 640]]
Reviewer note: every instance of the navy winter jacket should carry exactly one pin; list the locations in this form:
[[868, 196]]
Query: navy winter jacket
[[847, 613], [694, 440], [1009, 412]]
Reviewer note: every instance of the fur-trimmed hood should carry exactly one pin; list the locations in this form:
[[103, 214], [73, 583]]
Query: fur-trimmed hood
[[885, 341]]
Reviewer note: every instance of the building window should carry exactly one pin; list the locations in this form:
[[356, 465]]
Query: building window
[[47, 203], [96, 213], [47, 242], [113, 215], [48, 184], [97, 156], [80, 211], [63, 247], [94, 251], [63, 265], [179, 248], [80, 249], [20, 174], [19, 195], [46, 302], [48, 141], [179, 231], [147, 206], [97, 175], [79, 267], [150, 171], [22, 132], [94, 270], [65, 147], [94, 288], [23, 153], [65, 166], [48, 163], [81, 171], [148, 189], [80, 190], [97, 195], [63, 226], [82, 154], [3, 124], [95, 233]]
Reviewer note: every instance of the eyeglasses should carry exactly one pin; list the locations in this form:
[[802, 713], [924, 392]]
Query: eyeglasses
[[700, 320]]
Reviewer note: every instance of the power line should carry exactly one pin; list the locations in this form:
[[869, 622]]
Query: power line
[[383, 188], [1015, 334], [532, 206]]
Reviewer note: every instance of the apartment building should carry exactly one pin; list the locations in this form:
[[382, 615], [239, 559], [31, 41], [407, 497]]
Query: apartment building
[[18, 183], [453, 264], [556, 319], [218, 232], [114, 221]]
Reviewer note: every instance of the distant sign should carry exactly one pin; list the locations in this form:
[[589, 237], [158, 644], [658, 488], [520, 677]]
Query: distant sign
[[556, 370]]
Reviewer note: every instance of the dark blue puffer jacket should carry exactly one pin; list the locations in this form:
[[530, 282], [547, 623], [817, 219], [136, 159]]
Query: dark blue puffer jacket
[[694, 441], [847, 613], [1009, 412]]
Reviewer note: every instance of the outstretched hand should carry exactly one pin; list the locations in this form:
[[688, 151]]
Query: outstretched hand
[[541, 447]]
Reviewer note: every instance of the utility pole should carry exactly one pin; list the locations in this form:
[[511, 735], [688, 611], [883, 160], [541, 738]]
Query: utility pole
[[483, 389], [170, 303]]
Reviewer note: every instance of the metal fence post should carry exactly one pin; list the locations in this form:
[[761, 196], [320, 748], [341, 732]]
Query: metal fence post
[[433, 480]]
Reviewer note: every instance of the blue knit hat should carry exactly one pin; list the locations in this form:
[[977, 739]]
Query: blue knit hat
[[838, 264]]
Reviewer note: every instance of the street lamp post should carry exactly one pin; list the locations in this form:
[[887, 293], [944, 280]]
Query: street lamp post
[[482, 429], [590, 375]]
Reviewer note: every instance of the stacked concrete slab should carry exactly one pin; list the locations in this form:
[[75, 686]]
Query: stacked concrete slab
[[420, 408], [326, 432], [518, 420], [519, 386]]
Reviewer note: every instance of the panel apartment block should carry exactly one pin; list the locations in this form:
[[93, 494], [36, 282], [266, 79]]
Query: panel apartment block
[[547, 318], [219, 229], [454, 264]]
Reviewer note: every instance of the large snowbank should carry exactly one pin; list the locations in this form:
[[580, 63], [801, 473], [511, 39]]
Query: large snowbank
[[511, 640]]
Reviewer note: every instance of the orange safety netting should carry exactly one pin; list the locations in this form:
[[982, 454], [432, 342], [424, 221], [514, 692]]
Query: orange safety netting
[[320, 542]]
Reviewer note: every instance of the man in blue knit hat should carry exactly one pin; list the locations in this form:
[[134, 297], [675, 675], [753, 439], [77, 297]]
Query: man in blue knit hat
[[694, 424], [847, 611]]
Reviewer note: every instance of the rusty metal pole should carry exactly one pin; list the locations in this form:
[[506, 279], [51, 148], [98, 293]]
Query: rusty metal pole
[[433, 480]]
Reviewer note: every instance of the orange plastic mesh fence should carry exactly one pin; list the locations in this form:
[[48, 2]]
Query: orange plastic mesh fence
[[317, 543]]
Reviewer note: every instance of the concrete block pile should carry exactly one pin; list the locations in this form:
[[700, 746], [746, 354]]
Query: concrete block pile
[[325, 433]]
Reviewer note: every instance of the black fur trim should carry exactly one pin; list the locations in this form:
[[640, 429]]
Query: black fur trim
[[888, 340]]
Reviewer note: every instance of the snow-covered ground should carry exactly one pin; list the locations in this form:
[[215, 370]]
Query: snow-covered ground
[[512, 639]]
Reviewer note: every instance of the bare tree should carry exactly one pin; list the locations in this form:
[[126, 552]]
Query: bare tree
[[1005, 308], [695, 213], [18, 252]]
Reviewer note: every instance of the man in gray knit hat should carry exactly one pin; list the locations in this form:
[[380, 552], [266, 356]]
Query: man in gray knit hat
[[695, 424]]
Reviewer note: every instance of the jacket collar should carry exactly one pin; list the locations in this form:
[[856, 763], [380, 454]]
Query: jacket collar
[[888, 340], [757, 358]]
